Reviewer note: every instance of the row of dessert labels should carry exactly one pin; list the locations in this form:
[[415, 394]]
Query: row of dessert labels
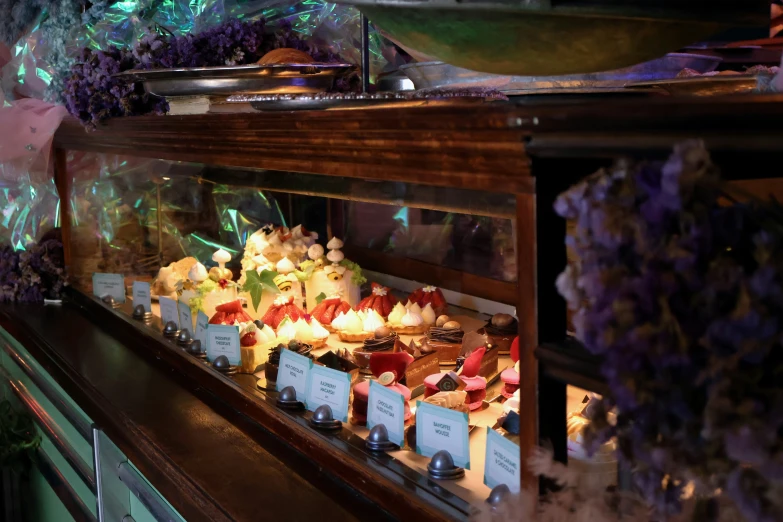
[[437, 428]]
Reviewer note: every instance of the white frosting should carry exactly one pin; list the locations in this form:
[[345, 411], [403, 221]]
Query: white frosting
[[516, 367], [315, 252], [335, 243], [338, 323], [261, 260], [335, 256], [280, 300], [198, 273], [429, 289], [274, 239], [286, 329], [408, 304], [288, 247], [319, 332], [395, 316], [265, 334], [428, 314], [353, 323], [512, 403], [303, 330], [296, 232], [285, 266], [362, 314], [221, 257], [411, 318], [171, 281], [379, 290], [415, 308], [372, 321]]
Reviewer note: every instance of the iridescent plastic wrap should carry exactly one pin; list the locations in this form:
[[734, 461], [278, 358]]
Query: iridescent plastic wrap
[[114, 206]]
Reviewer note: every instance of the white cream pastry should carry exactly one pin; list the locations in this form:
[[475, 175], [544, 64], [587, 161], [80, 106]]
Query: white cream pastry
[[411, 318], [428, 314], [221, 257], [338, 323], [319, 332], [265, 334], [395, 316], [285, 266], [372, 321], [415, 308], [286, 329], [303, 330], [353, 323], [316, 251]]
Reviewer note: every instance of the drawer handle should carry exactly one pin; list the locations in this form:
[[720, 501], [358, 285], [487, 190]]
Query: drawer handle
[[150, 499], [64, 491], [51, 429], [50, 393]]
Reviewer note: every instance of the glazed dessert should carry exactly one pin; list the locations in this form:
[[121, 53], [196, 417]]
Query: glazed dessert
[[273, 362], [309, 332], [211, 288], [353, 328], [474, 384], [328, 309], [380, 299], [171, 280], [331, 274], [383, 340], [430, 295], [408, 321], [510, 376], [283, 306], [425, 363], [389, 368], [285, 55], [501, 330], [255, 339], [451, 400], [446, 339]]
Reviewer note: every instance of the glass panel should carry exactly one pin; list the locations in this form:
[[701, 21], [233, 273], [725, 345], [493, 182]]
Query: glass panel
[[159, 221]]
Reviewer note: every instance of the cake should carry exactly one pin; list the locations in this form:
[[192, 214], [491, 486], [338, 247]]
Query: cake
[[254, 342], [229, 313], [510, 376], [389, 368], [446, 340], [172, 279], [501, 330], [380, 299], [211, 288], [281, 307], [338, 361], [601, 466], [328, 309], [474, 384], [353, 328], [309, 332], [430, 295], [273, 362], [383, 340], [425, 363], [451, 400], [331, 275], [407, 321]]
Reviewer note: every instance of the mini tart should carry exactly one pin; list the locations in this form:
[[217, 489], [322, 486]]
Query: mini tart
[[328, 309], [354, 337], [410, 330]]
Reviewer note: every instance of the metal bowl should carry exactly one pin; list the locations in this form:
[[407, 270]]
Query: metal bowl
[[232, 79], [431, 75], [538, 37]]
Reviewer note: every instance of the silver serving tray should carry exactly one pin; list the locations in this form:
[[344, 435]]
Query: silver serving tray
[[442, 75], [232, 79], [351, 101], [709, 85]]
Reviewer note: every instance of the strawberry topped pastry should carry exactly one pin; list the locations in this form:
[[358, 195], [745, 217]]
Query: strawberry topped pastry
[[230, 313], [282, 306], [380, 299], [510, 376], [430, 295], [328, 309]]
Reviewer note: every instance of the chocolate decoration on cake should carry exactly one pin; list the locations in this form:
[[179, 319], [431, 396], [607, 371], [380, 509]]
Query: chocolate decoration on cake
[[502, 324], [380, 344], [445, 335]]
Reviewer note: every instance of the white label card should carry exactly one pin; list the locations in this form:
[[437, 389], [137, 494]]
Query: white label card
[[442, 429], [109, 284], [332, 387], [141, 295], [185, 317], [502, 463], [294, 371], [168, 310], [202, 323], [387, 407], [223, 340]]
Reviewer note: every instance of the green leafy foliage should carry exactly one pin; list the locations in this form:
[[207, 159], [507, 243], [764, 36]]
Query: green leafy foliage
[[320, 297], [256, 284], [18, 438], [357, 278]]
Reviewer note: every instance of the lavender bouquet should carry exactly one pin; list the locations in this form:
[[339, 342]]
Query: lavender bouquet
[[34, 274], [92, 95], [678, 284]]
